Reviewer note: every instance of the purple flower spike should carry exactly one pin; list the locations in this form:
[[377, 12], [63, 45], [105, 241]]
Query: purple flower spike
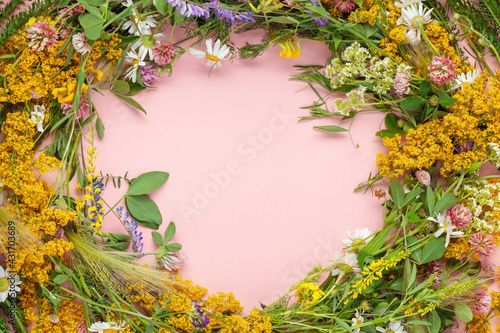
[[187, 9], [229, 15], [131, 227], [321, 21]]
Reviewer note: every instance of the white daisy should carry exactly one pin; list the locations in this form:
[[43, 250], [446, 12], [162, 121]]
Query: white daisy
[[468, 77], [136, 62], [360, 237], [444, 226], [8, 284], [101, 327], [357, 320], [38, 116], [214, 55], [140, 24], [393, 327], [348, 263], [146, 44], [413, 18]]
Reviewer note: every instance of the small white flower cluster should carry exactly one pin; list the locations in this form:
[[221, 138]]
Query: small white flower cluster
[[480, 194], [357, 62], [494, 153], [354, 101]]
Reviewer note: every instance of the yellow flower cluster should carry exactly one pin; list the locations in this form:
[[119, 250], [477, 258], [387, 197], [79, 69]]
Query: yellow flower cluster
[[447, 293], [374, 271], [69, 318], [458, 248], [474, 117], [479, 324], [308, 293]]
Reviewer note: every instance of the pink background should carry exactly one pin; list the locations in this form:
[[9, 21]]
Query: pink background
[[283, 198]]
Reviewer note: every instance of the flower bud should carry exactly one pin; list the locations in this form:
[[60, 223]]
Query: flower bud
[[434, 100]]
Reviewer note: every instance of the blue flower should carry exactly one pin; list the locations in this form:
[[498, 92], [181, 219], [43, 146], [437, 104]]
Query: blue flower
[[198, 317], [229, 15]]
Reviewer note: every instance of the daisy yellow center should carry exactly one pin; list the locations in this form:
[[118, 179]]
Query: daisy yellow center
[[390, 331], [4, 284], [443, 226], [212, 57], [109, 330], [417, 22], [135, 62], [358, 321]]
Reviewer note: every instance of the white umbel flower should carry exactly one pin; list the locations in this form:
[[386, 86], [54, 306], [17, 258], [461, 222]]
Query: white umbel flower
[[413, 17], [463, 78], [214, 55]]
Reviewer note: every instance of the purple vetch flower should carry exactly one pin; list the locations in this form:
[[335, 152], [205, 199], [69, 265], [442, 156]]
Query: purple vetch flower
[[198, 317], [131, 227], [187, 9], [149, 74], [227, 14], [321, 21]]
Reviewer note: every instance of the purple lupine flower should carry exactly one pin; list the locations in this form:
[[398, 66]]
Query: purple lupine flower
[[229, 15], [198, 317], [148, 74], [321, 21], [187, 9], [131, 227]]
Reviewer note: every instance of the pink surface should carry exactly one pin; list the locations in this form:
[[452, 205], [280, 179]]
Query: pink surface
[[257, 197]]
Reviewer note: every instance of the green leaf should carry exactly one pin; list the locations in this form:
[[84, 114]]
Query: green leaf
[[172, 247], [413, 276], [331, 128], [343, 324], [410, 196], [162, 6], [143, 210], [385, 133], [396, 192], [430, 200], [91, 9], [433, 250], [425, 88], [284, 20], [151, 327], [147, 182], [336, 40], [435, 321], [92, 25], [61, 278], [445, 202], [377, 241], [121, 87], [418, 322], [120, 246], [119, 237], [412, 103], [449, 101], [131, 101], [169, 232], [463, 312], [413, 217], [99, 126], [157, 238], [391, 122]]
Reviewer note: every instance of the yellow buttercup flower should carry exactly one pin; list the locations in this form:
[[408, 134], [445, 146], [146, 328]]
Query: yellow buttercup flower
[[288, 49]]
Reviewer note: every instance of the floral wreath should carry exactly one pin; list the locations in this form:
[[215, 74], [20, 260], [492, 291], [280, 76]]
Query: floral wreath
[[423, 271]]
